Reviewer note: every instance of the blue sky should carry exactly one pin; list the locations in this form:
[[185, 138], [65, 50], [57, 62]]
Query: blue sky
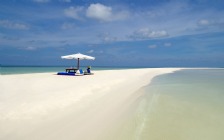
[[151, 33]]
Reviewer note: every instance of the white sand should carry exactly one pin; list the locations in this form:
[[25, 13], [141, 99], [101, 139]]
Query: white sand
[[51, 107]]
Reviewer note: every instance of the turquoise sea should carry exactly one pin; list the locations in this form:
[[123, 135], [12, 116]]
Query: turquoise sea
[[5, 70], [184, 105]]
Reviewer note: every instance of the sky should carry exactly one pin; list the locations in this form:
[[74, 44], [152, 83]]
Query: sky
[[137, 33]]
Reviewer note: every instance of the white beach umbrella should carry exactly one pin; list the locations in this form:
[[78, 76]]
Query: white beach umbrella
[[78, 56]]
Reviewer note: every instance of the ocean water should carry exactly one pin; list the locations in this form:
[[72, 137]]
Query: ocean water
[[185, 105], [6, 70]]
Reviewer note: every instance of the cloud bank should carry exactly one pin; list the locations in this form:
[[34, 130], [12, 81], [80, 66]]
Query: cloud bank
[[146, 33], [73, 12], [13, 25], [42, 1], [96, 11], [100, 12]]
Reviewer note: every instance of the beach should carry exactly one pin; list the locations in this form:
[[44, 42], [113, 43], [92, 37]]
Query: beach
[[46, 106]]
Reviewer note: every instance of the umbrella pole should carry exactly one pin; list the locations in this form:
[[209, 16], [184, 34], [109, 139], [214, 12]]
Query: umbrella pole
[[78, 64]]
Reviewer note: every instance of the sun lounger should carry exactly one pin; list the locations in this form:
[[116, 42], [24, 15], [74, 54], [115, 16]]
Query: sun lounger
[[66, 73], [77, 73]]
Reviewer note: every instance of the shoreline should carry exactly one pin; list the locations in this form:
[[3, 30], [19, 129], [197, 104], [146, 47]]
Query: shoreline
[[20, 70], [50, 106]]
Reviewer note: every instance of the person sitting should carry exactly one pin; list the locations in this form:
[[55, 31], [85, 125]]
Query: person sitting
[[88, 72], [88, 69]]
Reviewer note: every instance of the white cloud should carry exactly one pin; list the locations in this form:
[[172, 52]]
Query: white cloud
[[104, 13], [106, 37], [99, 11], [203, 22], [68, 1], [42, 1], [13, 25], [66, 26], [96, 11], [207, 25], [145, 33], [73, 12], [109, 39], [100, 51], [152, 46], [90, 51], [121, 15], [30, 48], [167, 44]]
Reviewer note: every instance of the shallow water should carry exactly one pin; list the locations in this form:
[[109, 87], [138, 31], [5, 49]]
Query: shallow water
[[185, 105]]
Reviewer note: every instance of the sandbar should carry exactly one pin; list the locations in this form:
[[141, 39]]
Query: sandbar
[[46, 106]]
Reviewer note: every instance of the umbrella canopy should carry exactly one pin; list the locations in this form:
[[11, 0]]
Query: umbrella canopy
[[78, 56]]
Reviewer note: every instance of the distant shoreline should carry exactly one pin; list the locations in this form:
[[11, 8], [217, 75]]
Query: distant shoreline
[[12, 70]]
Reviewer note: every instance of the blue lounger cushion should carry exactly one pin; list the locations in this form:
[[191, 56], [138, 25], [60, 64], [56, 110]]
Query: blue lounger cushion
[[66, 73], [81, 71]]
